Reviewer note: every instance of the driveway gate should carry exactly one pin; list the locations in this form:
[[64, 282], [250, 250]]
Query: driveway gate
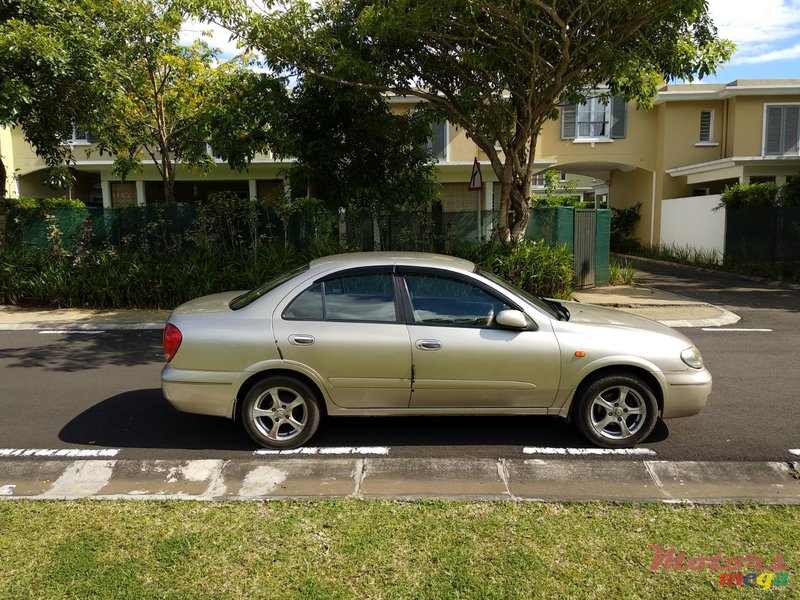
[[585, 233]]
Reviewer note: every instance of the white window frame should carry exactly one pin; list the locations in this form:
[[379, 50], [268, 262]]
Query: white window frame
[[593, 103], [710, 141], [767, 105]]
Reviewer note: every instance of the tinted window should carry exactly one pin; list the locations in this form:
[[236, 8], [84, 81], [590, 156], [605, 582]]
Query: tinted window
[[445, 301], [368, 297], [307, 305]]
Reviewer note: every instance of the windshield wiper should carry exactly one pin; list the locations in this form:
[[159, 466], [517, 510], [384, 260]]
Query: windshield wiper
[[561, 311]]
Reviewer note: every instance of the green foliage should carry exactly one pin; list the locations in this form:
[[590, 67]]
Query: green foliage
[[762, 195], [537, 267], [558, 193], [623, 221], [621, 274], [355, 154], [684, 254], [751, 194], [498, 72], [43, 203]]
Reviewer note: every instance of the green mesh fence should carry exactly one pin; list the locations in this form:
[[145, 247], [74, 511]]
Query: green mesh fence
[[764, 241]]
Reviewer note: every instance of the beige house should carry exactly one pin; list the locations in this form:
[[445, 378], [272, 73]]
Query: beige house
[[697, 139]]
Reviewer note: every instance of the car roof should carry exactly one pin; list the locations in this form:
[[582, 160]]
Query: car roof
[[419, 259]]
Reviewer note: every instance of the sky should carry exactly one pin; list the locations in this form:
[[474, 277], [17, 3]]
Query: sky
[[766, 34], [767, 38]]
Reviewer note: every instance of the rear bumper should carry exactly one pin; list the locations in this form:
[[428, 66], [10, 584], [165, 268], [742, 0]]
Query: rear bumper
[[198, 392], [686, 393]]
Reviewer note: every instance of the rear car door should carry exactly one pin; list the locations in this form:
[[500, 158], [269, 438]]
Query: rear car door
[[346, 328], [463, 359]]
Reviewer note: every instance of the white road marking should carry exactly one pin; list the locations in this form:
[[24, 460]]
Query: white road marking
[[740, 329], [70, 331], [590, 451], [795, 451], [61, 452], [359, 450]]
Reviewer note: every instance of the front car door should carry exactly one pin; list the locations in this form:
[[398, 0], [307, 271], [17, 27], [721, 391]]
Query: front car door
[[346, 327], [462, 358]]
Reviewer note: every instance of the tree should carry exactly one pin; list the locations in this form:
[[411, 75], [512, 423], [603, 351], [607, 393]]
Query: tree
[[116, 69], [50, 53], [354, 153], [160, 98], [499, 69]]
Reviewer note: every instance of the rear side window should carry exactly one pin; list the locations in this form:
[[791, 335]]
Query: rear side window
[[359, 297]]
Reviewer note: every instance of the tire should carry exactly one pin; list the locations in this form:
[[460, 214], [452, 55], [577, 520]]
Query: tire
[[616, 411], [281, 412]]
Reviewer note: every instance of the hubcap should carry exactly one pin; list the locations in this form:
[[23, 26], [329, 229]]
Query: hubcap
[[618, 412], [280, 414]]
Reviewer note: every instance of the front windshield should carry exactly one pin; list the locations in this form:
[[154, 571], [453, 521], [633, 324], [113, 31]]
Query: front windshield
[[249, 297], [510, 287]]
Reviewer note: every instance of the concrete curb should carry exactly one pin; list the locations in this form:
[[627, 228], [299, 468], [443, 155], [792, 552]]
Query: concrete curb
[[402, 478]]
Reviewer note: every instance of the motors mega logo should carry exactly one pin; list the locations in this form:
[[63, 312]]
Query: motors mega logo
[[761, 574]]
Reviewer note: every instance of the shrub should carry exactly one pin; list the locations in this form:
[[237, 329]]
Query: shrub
[[623, 221], [43, 203], [539, 268], [750, 195]]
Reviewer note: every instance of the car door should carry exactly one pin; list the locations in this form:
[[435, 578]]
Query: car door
[[346, 328], [463, 359]]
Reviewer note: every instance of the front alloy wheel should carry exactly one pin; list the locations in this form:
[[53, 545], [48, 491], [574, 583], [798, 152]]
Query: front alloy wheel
[[617, 411], [280, 412]]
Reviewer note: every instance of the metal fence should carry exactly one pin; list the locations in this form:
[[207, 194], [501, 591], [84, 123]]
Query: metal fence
[[764, 240], [158, 227]]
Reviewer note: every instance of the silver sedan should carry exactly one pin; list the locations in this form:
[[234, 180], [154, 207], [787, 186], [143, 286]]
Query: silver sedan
[[388, 333]]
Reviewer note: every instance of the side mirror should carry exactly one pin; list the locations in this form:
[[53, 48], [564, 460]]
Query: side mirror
[[514, 319]]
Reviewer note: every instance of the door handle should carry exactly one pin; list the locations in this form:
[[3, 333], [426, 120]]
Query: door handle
[[301, 340], [428, 344]]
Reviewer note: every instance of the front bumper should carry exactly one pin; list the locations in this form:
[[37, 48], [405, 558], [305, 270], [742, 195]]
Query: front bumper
[[686, 393]]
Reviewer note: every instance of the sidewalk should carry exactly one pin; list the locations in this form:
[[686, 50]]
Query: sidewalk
[[670, 309]]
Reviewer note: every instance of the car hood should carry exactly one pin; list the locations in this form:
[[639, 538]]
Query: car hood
[[213, 303], [601, 315]]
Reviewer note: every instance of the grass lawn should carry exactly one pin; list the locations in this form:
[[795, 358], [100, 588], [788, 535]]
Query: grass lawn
[[379, 549]]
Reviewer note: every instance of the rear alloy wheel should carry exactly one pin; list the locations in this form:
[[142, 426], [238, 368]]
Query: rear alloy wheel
[[281, 412], [616, 411]]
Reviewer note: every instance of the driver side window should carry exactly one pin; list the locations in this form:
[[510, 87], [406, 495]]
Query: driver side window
[[440, 300]]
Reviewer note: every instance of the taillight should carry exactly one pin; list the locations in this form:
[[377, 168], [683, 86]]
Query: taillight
[[172, 340]]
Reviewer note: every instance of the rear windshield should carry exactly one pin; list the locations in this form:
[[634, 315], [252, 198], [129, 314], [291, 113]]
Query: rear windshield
[[249, 297]]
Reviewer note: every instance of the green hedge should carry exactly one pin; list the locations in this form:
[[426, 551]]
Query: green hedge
[[43, 203], [110, 278]]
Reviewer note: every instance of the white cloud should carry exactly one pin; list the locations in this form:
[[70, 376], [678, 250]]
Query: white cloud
[[214, 35], [791, 53], [759, 29]]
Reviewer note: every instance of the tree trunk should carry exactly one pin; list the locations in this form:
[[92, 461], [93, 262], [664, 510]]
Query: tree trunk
[[168, 174], [503, 226]]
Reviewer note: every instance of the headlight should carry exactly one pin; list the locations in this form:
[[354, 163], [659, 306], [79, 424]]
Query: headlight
[[691, 356]]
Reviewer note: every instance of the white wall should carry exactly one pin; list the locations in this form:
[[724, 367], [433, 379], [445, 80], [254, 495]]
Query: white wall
[[693, 222]]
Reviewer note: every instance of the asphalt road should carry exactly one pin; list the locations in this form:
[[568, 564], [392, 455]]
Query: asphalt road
[[101, 390]]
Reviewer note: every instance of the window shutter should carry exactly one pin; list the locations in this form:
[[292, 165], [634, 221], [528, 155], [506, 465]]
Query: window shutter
[[772, 139], [705, 125], [568, 118], [618, 117], [439, 140], [791, 130]]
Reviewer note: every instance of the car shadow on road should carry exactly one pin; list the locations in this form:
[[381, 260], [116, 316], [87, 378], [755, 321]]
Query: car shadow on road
[[143, 419]]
